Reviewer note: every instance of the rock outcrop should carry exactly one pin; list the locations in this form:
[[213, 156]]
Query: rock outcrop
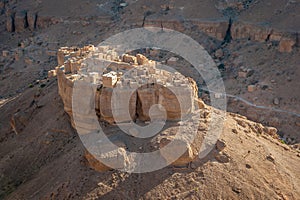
[[65, 90], [104, 109], [152, 94], [140, 99], [286, 45], [31, 19], [10, 23], [24, 20], [21, 22], [238, 30]]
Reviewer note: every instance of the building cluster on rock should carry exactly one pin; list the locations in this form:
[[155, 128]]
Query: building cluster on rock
[[143, 81], [145, 93], [101, 70]]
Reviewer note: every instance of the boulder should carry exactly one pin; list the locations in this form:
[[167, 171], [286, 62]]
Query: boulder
[[242, 74], [276, 101], [116, 159], [172, 61], [271, 131], [219, 53], [220, 145], [245, 72], [129, 59], [270, 158], [51, 73], [222, 158], [172, 152], [5, 53], [19, 121], [123, 4], [141, 59], [29, 61], [286, 45], [201, 103], [251, 88]]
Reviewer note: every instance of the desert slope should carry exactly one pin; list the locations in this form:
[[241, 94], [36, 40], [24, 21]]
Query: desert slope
[[51, 163], [41, 156]]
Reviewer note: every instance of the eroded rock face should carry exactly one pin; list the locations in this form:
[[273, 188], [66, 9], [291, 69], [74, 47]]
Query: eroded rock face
[[241, 30], [65, 89], [238, 29], [140, 101], [211, 28], [31, 19], [176, 103], [104, 107], [249, 31], [94, 163], [187, 157], [170, 146], [45, 21], [21, 21], [214, 29], [147, 98], [19, 121], [10, 24]]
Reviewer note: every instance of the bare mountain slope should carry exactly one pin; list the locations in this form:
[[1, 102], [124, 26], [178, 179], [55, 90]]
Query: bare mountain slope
[[41, 156], [51, 164]]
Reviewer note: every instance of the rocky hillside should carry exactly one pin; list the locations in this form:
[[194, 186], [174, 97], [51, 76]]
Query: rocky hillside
[[45, 160], [256, 47]]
